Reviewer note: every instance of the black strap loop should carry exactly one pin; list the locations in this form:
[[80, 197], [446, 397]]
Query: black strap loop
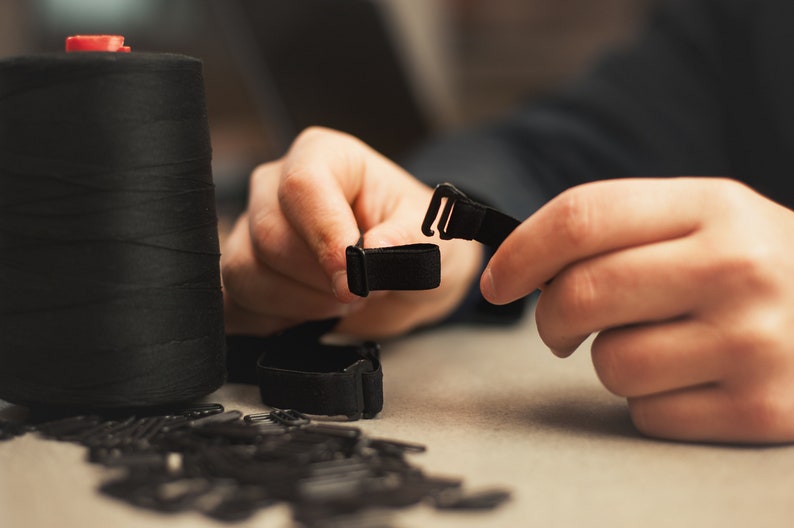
[[326, 379], [465, 218], [410, 267], [295, 370]]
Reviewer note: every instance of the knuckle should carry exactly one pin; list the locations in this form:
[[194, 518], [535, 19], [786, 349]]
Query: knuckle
[[569, 300], [265, 171], [578, 293], [234, 277], [743, 269], [575, 218], [313, 133], [764, 413], [642, 418], [755, 338], [232, 262], [757, 350], [746, 262], [296, 180], [318, 134], [730, 192], [264, 235], [330, 256], [263, 181], [607, 365], [230, 273], [262, 186]]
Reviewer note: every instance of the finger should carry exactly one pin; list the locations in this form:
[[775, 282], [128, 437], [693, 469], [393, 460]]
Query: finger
[[322, 176], [333, 187], [585, 221], [401, 225], [272, 294], [711, 413], [261, 290], [273, 241], [386, 315], [650, 359], [656, 282], [694, 414]]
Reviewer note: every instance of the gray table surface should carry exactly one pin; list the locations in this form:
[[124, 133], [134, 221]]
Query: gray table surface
[[495, 408]]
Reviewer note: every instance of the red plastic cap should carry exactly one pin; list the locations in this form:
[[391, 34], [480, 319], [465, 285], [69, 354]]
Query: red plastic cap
[[96, 43]]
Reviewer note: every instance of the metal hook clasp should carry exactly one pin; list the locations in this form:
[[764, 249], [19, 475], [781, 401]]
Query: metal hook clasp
[[452, 194]]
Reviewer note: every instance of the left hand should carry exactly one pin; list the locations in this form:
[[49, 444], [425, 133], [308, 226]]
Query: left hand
[[689, 283], [284, 261]]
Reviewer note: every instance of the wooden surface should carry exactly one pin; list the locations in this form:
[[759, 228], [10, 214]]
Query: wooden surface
[[495, 408]]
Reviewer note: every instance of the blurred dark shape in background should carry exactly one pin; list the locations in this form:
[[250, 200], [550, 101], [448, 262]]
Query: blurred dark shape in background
[[391, 72]]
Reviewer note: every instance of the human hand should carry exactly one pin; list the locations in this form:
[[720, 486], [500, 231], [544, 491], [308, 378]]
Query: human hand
[[284, 261], [690, 285]]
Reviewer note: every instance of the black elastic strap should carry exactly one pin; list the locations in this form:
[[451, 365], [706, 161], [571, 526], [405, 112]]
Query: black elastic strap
[[468, 219], [410, 267], [465, 218], [294, 370]]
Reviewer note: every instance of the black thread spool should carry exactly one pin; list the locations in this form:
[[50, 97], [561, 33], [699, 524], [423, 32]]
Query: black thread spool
[[109, 259]]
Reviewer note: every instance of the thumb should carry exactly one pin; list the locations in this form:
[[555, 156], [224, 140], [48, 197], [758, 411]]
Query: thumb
[[402, 224], [392, 232]]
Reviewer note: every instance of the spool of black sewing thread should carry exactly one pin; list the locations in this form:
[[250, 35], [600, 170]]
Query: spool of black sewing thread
[[109, 260]]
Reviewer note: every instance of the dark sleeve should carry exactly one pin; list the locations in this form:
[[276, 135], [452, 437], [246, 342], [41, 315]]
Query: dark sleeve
[[668, 104]]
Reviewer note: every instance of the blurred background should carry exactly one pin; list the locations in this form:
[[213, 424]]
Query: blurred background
[[392, 72]]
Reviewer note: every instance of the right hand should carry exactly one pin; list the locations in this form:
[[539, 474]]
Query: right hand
[[284, 261], [689, 283]]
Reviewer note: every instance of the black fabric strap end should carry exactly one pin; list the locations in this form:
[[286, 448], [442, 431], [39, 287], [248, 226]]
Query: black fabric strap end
[[357, 270], [295, 370], [409, 267]]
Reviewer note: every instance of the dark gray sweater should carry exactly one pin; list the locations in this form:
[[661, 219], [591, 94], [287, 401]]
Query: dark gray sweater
[[708, 89]]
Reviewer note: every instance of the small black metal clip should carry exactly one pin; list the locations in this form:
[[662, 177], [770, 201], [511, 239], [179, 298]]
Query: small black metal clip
[[289, 417], [456, 499], [452, 194], [198, 410], [396, 448], [257, 418], [224, 417]]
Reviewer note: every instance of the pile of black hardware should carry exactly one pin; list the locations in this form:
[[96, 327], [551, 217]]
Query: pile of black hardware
[[227, 466]]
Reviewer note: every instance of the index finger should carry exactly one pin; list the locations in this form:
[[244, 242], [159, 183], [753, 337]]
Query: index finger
[[586, 221], [320, 179], [324, 175]]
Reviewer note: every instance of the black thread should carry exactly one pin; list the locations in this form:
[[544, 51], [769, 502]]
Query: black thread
[[109, 259]]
